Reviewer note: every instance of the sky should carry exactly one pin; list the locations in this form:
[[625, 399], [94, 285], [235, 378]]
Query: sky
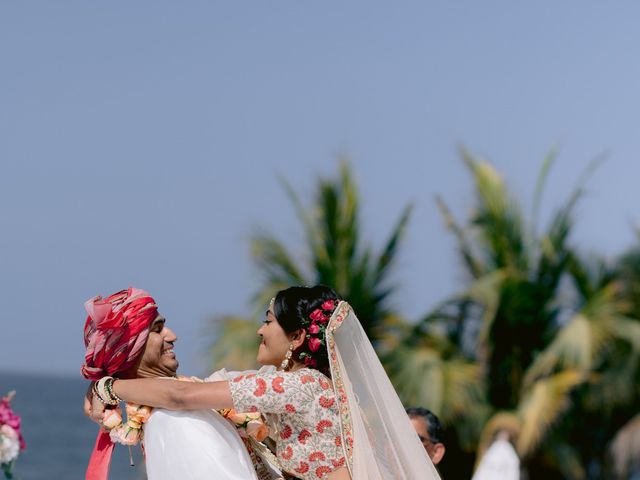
[[143, 143]]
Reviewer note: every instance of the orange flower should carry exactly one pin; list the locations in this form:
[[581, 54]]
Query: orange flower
[[111, 418], [257, 429]]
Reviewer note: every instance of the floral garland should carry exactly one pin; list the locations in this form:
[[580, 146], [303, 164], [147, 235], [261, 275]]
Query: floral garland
[[129, 432], [316, 326], [247, 424], [11, 440]]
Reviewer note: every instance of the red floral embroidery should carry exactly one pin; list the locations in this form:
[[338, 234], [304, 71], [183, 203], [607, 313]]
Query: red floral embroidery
[[303, 468], [286, 432], [338, 463], [327, 402], [287, 454], [350, 441], [338, 441], [276, 384], [253, 409], [238, 379], [322, 424], [315, 456], [290, 408], [262, 387], [324, 384], [307, 379], [304, 434], [320, 471]]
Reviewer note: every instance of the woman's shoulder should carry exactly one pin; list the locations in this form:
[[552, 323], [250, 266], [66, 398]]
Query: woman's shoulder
[[314, 378]]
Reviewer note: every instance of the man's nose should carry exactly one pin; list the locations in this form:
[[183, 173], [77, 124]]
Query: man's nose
[[169, 335]]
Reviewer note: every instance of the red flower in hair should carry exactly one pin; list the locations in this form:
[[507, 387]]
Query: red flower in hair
[[328, 305], [310, 362], [316, 315], [314, 328], [314, 344]]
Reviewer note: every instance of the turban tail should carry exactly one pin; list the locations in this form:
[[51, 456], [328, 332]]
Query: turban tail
[[115, 335]]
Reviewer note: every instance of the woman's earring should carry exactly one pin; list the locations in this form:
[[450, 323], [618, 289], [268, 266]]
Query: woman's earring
[[286, 363]]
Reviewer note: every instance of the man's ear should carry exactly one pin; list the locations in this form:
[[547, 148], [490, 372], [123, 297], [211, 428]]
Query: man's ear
[[298, 337], [438, 453]]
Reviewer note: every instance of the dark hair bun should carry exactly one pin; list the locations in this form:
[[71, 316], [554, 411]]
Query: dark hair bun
[[308, 308]]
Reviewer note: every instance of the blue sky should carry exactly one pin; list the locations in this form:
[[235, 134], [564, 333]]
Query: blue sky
[[141, 142]]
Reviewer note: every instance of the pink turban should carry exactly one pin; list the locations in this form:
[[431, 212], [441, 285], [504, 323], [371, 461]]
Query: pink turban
[[116, 331], [115, 335]]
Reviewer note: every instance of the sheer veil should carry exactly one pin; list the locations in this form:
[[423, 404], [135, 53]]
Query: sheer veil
[[378, 438]]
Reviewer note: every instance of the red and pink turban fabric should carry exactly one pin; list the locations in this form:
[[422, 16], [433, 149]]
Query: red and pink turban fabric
[[116, 331], [115, 335]]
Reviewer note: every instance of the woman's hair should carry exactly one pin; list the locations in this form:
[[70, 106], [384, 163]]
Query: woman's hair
[[309, 308]]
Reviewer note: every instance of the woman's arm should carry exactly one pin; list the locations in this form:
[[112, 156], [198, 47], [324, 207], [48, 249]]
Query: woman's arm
[[173, 394]]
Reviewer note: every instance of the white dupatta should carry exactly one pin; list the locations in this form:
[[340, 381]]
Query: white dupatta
[[379, 441]]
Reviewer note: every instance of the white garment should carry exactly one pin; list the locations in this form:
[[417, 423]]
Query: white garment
[[500, 462], [194, 445], [385, 444]]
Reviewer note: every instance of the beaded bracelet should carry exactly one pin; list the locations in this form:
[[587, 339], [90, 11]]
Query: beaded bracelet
[[104, 391]]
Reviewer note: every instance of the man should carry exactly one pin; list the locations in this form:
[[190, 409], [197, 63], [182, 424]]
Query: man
[[126, 337], [429, 430]]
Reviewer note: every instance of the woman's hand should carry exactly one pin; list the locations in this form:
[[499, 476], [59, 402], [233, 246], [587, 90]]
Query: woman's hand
[[93, 408]]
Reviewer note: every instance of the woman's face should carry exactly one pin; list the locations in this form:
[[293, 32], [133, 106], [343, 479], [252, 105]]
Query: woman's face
[[275, 341]]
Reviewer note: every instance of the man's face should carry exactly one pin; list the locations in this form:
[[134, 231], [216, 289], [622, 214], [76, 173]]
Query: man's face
[[159, 359], [434, 450]]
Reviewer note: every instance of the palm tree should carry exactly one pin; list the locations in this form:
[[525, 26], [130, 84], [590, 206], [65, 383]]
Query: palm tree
[[335, 254], [533, 320]]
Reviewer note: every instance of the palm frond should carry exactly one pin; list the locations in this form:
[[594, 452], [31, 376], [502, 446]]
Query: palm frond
[[499, 221], [450, 387], [547, 163], [542, 406], [474, 264], [388, 254]]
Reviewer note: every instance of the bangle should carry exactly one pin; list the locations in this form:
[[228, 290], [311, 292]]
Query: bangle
[[104, 391]]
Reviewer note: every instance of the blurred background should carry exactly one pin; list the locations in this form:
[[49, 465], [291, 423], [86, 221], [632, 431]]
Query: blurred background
[[463, 174]]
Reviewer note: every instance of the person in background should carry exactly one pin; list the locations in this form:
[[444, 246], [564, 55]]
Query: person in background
[[429, 430]]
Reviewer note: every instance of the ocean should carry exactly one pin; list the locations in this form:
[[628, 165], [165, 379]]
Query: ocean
[[59, 437]]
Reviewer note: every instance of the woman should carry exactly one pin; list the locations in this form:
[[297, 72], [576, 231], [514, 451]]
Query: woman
[[333, 410]]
